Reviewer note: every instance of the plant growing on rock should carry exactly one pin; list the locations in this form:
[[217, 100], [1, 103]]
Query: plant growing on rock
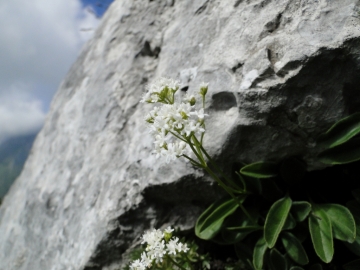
[[272, 217], [164, 251], [178, 129]]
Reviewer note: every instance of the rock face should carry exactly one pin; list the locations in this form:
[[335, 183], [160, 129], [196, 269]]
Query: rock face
[[279, 72]]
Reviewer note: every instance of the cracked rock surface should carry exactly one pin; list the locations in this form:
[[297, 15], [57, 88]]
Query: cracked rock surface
[[279, 72]]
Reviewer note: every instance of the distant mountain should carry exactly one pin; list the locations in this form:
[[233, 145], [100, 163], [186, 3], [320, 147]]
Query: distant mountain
[[13, 154]]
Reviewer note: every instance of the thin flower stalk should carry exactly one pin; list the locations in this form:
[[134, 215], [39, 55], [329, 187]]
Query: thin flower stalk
[[175, 127]]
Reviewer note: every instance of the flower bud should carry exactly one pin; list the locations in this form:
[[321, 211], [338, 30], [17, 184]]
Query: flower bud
[[203, 89], [167, 236], [192, 101], [184, 115]]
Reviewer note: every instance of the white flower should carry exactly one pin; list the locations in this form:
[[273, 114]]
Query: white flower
[[193, 127], [200, 114], [137, 265], [156, 248], [172, 123], [189, 99], [172, 246], [155, 89], [160, 140], [145, 260], [182, 247], [175, 150], [163, 82], [156, 252], [168, 230], [204, 85], [152, 237]]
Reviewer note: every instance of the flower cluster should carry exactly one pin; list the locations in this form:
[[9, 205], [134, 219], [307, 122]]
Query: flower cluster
[[173, 123], [162, 91], [159, 244]]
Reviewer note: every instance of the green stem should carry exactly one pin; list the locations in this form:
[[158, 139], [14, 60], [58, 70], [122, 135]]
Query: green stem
[[193, 161], [233, 196], [202, 134], [177, 136], [238, 191], [174, 262], [223, 185], [197, 145], [203, 163], [216, 178], [213, 163]]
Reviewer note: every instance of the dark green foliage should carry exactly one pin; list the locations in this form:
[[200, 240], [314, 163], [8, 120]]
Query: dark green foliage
[[341, 141], [277, 260], [301, 218], [321, 234], [260, 170], [210, 222], [13, 154], [294, 248], [342, 154], [259, 252], [275, 220], [341, 132], [8, 173], [300, 210]]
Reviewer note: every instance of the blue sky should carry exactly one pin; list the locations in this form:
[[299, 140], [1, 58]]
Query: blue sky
[[39, 40], [99, 6]]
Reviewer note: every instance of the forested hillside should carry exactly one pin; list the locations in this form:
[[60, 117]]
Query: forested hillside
[[13, 154]]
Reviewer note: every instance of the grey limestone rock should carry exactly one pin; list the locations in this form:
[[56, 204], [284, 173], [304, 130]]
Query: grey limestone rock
[[280, 72]]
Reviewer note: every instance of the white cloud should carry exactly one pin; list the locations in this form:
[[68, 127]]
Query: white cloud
[[20, 113], [39, 40]]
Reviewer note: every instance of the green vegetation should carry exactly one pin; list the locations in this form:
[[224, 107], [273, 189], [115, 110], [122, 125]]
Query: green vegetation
[[297, 218], [8, 173], [13, 154], [278, 216]]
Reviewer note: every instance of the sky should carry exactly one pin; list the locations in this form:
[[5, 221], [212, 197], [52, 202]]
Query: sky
[[39, 40]]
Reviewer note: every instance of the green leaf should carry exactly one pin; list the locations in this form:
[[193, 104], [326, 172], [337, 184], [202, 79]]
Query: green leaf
[[245, 229], [316, 267], [342, 221], [342, 154], [290, 223], [321, 234], [259, 252], [341, 131], [260, 169], [277, 260], [237, 226], [210, 221], [300, 210], [253, 185], [354, 265], [275, 220], [294, 248]]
